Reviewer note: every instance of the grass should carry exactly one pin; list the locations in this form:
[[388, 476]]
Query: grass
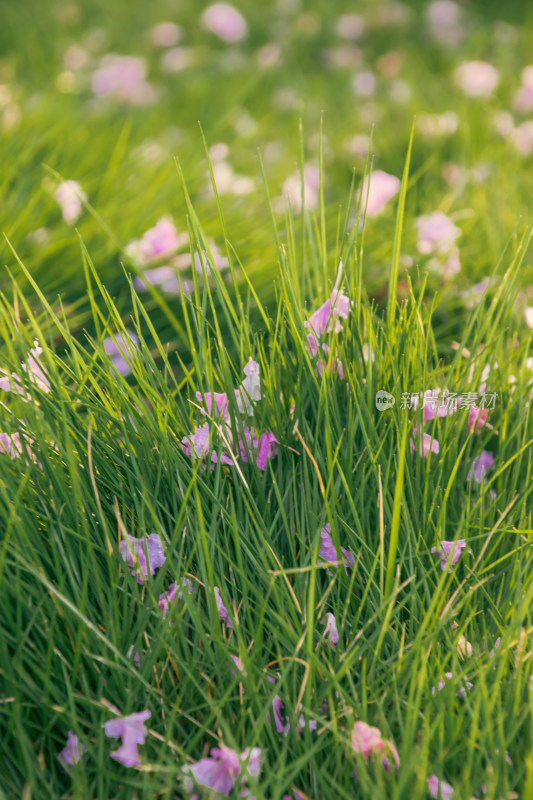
[[112, 464], [107, 448]]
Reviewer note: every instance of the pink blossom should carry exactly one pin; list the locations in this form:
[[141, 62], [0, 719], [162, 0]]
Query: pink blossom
[[216, 402], [369, 742], [480, 466], [221, 608], [326, 318], [436, 406], [72, 751], [528, 316], [328, 551], [523, 99], [172, 595], [248, 393], [197, 443], [132, 732], [160, 241], [225, 21], [426, 444], [330, 632], [476, 78], [439, 790], [477, 418], [449, 553], [143, 555], [378, 188], [436, 233], [258, 449], [222, 769], [123, 78], [70, 197]]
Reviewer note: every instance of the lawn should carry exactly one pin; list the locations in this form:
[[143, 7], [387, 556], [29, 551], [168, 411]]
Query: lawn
[[266, 373]]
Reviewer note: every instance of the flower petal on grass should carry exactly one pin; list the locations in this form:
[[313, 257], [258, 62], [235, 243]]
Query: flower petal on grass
[[134, 551], [222, 768], [172, 595], [262, 447], [449, 553], [480, 466], [369, 742], [439, 790], [328, 551], [73, 750], [222, 610], [132, 731]]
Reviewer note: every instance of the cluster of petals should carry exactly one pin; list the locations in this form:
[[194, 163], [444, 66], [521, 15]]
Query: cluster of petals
[[257, 448], [73, 750], [368, 742], [225, 21], [476, 78], [143, 555], [160, 241], [328, 551], [132, 731], [197, 445], [221, 770], [248, 393], [70, 197], [378, 188], [449, 553], [326, 320], [122, 78], [252, 447]]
